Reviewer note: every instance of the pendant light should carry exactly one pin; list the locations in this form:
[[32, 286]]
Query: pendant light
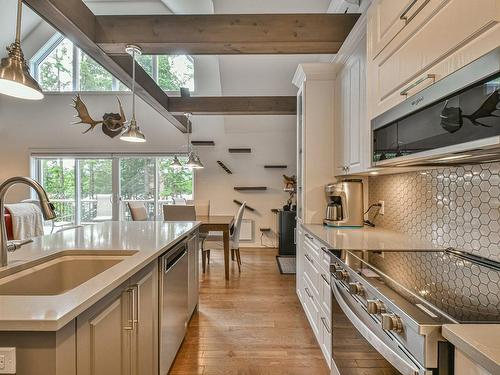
[[132, 133], [15, 78], [176, 164], [194, 161]]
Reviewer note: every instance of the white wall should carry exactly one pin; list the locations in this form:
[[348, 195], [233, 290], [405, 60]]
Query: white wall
[[26, 126]]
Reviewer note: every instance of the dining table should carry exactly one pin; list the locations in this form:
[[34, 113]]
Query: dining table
[[219, 223]]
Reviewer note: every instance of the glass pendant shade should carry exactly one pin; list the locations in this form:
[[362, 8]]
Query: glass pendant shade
[[198, 163], [191, 163], [176, 164], [15, 78], [133, 133]]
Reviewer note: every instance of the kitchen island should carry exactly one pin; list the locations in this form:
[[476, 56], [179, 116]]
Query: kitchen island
[[100, 314]]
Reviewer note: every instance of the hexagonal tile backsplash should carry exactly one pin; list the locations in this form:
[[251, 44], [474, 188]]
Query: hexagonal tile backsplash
[[455, 207]]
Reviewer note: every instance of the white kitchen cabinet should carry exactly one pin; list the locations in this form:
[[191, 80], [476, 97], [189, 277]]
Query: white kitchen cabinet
[[443, 36], [119, 334], [315, 120], [314, 289], [299, 243], [388, 18], [352, 129]]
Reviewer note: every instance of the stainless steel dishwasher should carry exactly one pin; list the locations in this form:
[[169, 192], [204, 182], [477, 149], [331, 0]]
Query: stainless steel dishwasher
[[173, 303]]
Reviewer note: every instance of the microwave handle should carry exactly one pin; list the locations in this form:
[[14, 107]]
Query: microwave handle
[[402, 365]]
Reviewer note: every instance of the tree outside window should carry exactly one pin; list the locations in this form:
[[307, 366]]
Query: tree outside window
[[56, 70]]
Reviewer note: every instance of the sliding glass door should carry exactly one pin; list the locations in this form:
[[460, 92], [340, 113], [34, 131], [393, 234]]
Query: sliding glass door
[[91, 189]]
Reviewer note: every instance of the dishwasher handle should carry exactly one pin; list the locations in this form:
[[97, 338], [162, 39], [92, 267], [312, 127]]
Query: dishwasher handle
[[171, 260]]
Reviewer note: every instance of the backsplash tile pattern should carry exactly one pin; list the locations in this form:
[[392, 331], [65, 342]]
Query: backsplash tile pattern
[[455, 207]]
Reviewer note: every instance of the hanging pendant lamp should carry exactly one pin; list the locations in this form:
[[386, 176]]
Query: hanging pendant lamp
[[194, 161], [176, 164], [15, 78], [133, 133]]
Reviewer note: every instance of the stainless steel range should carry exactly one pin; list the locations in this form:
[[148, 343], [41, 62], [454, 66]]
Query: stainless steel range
[[398, 300]]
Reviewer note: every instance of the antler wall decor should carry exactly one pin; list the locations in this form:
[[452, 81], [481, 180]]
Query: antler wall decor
[[112, 123]]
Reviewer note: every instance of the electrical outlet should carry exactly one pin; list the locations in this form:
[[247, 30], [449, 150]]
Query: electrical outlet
[[382, 207], [7, 360]]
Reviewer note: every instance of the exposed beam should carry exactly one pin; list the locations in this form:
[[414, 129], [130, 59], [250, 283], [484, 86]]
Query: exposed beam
[[221, 34], [234, 105], [74, 19]]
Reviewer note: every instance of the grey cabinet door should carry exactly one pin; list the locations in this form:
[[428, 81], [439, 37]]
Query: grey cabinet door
[[193, 273], [144, 345], [104, 334]]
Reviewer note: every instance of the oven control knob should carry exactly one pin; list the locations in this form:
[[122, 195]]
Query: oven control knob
[[392, 322], [356, 288], [375, 306], [342, 275]]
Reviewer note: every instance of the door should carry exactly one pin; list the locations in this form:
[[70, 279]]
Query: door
[[94, 181], [193, 274], [144, 345], [137, 183], [103, 336]]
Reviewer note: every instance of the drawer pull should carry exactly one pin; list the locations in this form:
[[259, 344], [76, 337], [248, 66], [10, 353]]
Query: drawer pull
[[416, 83], [325, 278], [309, 293], [323, 320], [325, 250], [309, 236], [309, 258], [404, 16]]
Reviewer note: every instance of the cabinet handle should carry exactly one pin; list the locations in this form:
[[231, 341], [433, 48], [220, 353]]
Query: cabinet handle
[[130, 309], [135, 305], [404, 16], [325, 250], [309, 236], [323, 320], [309, 293], [325, 278], [416, 83], [309, 258]]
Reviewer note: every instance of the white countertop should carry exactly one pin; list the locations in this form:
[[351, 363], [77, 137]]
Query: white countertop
[[366, 238], [50, 313], [480, 342]]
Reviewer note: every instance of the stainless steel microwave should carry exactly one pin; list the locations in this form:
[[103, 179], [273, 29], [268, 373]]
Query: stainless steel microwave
[[454, 121]]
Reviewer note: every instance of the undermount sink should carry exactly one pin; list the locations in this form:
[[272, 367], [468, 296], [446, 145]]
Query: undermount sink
[[58, 275]]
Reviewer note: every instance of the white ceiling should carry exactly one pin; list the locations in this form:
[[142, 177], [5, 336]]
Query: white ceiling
[[235, 74]]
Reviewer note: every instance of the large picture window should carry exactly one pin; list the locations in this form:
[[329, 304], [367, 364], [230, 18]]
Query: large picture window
[[61, 66], [92, 189]]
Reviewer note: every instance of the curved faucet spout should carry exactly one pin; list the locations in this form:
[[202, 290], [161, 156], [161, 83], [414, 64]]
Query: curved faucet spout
[[45, 205]]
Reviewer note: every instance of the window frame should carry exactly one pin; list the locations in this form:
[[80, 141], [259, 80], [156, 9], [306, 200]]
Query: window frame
[[36, 168], [54, 42]]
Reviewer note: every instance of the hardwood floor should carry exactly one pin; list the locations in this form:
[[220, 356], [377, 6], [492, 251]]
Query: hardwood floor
[[253, 324]]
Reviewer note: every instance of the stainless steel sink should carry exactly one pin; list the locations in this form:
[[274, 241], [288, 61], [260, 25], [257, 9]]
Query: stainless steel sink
[[58, 275]]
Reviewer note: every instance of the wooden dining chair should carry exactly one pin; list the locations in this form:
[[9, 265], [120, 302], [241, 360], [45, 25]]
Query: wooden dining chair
[[177, 212], [234, 237], [138, 211]]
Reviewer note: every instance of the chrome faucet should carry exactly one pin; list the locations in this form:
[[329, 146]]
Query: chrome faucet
[[45, 205]]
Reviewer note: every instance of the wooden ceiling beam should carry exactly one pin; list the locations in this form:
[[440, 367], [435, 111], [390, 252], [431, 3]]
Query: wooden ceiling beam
[[234, 105], [225, 34], [75, 20]]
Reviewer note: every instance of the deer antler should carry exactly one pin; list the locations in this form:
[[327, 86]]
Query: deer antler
[[83, 114]]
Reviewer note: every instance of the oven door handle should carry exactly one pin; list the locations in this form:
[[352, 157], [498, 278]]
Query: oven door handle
[[402, 365]]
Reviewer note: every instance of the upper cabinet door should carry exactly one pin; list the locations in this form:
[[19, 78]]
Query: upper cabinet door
[[388, 18]]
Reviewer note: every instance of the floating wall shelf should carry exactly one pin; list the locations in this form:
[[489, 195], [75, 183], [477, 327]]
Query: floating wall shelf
[[277, 166], [203, 143], [241, 150], [241, 188], [223, 166], [247, 207]]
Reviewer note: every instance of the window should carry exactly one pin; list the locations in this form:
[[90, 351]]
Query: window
[[82, 188], [61, 66]]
